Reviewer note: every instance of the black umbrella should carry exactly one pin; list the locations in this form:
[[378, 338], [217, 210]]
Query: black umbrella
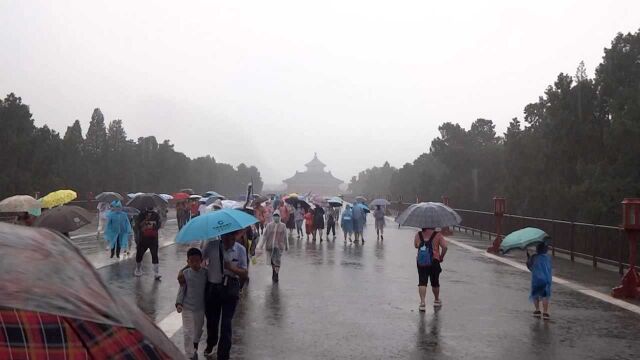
[[108, 196], [146, 201], [65, 218]]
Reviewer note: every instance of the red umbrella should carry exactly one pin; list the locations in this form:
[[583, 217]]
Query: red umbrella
[[180, 196], [53, 304]]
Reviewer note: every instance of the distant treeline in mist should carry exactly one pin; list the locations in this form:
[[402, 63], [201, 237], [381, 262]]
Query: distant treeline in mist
[[575, 157], [104, 159]]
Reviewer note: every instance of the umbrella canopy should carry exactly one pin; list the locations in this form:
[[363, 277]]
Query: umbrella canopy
[[214, 224], [65, 218], [108, 196], [304, 204], [335, 202], [188, 191], [429, 215], [132, 195], [361, 199], [213, 194], [215, 205], [379, 202], [522, 239], [58, 198], [319, 200], [131, 211], [19, 203], [180, 196], [259, 200], [51, 292], [145, 201], [195, 197], [166, 197], [231, 204]]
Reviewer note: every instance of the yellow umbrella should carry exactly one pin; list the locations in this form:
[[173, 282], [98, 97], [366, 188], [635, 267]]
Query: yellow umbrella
[[58, 198], [294, 195]]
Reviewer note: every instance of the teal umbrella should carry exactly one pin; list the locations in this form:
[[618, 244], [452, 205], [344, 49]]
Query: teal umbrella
[[522, 239], [214, 224]]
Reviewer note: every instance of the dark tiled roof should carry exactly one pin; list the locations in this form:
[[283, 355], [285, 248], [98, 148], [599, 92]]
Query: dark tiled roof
[[315, 163], [312, 178]]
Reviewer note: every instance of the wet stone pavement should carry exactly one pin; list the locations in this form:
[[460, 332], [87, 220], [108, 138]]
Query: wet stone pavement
[[349, 301]]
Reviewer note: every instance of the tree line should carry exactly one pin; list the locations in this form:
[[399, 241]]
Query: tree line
[[575, 155], [37, 159]]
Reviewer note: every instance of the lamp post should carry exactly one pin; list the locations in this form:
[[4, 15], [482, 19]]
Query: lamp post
[[446, 230], [629, 287], [499, 209]]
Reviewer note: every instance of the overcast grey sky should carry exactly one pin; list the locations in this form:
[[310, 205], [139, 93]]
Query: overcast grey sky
[[270, 82]]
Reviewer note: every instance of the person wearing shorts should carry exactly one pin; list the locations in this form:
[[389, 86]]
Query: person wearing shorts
[[432, 272]]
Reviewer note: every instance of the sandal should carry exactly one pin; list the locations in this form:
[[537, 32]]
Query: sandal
[[537, 313], [546, 316], [422, 308], [437, 303]]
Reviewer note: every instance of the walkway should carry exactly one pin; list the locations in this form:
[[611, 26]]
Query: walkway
[[354, 301]]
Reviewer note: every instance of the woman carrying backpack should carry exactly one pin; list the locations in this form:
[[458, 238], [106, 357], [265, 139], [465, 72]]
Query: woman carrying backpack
[[431, 250]]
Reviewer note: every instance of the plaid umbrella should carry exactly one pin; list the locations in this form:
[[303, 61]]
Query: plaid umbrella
[[65, 218], [53, 305], [428, 215]]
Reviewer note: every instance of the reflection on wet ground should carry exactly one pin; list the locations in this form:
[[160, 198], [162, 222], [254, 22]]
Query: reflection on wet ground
[[338, 300]]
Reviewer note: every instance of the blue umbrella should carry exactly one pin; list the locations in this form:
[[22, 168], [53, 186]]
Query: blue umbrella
[[214, 224], [522, 239]]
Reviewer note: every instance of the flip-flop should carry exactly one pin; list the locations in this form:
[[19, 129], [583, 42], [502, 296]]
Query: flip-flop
[[537, 313]]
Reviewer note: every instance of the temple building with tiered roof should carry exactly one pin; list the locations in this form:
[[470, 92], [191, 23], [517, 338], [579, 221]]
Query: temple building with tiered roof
[[314, 180]]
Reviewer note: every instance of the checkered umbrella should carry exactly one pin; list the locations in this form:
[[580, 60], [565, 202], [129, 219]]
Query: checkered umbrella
[[53, 305], [428, 215]]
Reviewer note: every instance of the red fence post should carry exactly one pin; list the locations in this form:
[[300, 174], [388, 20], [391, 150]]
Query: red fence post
[[629, 288], [499, 204]]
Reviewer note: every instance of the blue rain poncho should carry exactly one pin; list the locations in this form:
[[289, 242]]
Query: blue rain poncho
[[118, 227], [541, 273], [359, 217], [347, 220]]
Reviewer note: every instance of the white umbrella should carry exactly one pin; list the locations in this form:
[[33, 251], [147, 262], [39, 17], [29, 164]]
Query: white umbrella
[[379, 202], [166, 196], [19, 203], [428, 215]]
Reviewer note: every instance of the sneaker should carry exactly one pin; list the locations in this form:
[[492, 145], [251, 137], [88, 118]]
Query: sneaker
[[422, 308], [208, 352], [137, 272], [437, 303], [157, 277], [537, 313], [546, 316]]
